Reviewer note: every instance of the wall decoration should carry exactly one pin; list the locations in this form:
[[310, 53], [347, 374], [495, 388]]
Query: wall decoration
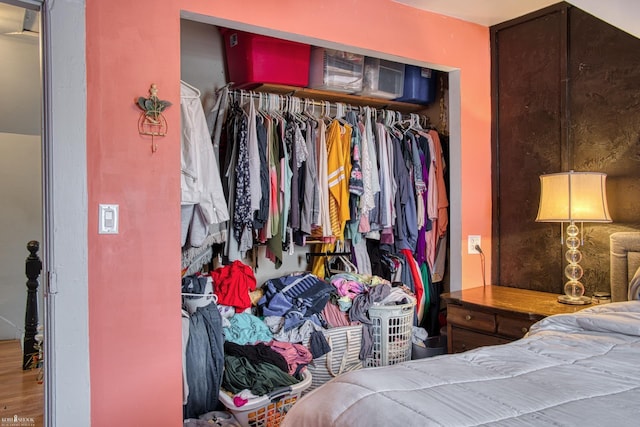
[[151, 121]]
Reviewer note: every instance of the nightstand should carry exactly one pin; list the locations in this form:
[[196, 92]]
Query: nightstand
[[496, 315]]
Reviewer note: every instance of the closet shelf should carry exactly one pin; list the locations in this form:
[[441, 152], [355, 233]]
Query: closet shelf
[[323, 95]]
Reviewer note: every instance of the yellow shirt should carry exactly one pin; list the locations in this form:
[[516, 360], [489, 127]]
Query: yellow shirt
[[338, 170]]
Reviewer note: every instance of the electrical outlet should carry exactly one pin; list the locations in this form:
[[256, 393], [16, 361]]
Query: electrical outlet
[[473, 241]]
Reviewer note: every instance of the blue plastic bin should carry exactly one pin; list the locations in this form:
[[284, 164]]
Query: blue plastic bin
[[419, 85]]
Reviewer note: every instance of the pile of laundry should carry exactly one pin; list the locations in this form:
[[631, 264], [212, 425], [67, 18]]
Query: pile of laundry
[[248, 341]]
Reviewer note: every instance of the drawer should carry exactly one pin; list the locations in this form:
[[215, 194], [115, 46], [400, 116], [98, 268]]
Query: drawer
[[472, 319], [513, 327], [463, 340]]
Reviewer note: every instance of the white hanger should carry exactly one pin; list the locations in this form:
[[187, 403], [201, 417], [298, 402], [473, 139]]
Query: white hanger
[[193, 88]]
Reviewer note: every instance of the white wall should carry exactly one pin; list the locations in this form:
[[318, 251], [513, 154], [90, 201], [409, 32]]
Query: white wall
[[202, 57], [20, 89], [20, 175], [20, 222], [623, 14]]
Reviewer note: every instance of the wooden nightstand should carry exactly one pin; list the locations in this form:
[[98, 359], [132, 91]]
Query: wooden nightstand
[[496, 315]]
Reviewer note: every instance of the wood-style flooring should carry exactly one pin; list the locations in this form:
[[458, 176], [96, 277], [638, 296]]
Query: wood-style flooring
[[21, 395]]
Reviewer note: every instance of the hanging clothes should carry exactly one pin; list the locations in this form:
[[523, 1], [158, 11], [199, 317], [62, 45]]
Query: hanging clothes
[[324, 217], [262, 214], [333, 178], [310, 209], [406, 231], [338, 169], [233, 132], [253, 154], [276, 156], [443, 202], [243, 209], [200, 177]]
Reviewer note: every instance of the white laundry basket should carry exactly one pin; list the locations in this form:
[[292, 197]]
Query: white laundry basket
[[270, 409], [391, 334]]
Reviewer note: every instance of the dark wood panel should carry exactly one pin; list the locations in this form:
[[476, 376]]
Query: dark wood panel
[[496, 314], [566, 90], [517, 303], [604, 87], [471, 318], [530, 92], [463, 340], [514, 328]]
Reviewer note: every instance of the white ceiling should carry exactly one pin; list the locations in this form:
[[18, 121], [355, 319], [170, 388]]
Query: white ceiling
[[623, 14], [483, 12]]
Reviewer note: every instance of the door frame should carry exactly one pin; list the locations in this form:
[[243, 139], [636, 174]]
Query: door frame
[[67, 381]]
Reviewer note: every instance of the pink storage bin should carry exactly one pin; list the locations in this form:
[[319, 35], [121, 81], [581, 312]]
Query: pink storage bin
[[253, 59]]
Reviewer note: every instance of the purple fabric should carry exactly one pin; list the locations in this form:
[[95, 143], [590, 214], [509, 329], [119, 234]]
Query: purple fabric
[[421, 246], [347, 288]]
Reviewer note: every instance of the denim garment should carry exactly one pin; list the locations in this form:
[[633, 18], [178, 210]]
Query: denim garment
[[205, 361]]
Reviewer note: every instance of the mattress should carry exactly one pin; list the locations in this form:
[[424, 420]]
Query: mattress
[[575, 369]]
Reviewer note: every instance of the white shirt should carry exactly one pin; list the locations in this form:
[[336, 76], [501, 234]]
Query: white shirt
[[200, 178]]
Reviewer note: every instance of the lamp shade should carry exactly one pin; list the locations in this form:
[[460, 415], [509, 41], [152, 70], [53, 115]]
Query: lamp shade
[[573, 196]]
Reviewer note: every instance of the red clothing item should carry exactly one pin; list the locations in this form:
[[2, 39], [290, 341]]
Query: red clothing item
[[417, 281], [232, 284]]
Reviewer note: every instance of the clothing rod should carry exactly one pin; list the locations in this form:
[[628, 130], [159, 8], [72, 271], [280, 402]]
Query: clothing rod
[[285, 102], [328, 253], [310, 255]]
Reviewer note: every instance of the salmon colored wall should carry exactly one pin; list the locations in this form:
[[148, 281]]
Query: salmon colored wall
[[134, 330], [134, 276]]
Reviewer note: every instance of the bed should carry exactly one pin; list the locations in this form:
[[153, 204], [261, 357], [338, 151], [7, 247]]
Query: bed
[[571, 369]]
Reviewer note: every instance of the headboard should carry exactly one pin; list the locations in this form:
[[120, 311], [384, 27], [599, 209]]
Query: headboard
[[625, 260]]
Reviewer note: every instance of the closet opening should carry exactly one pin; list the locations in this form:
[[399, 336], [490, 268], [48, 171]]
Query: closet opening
[[205, 75]]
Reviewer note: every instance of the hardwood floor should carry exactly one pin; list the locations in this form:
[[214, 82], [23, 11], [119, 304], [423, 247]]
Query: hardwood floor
[[21, 395]]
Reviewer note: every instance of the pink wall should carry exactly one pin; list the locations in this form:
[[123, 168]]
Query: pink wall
[[134, 276]]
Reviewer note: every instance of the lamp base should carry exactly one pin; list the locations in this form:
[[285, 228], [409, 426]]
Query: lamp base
[[565, 299]]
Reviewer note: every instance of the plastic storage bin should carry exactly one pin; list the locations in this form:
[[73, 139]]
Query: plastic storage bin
[[335, 70], [382, 79], [253, 59], [270, 409], [391, 334], [419, 85]]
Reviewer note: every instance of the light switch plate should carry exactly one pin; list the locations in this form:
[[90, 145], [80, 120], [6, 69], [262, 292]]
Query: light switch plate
[[108, 219]]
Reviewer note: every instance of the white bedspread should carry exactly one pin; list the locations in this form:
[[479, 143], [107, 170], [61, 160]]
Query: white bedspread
[[572, 370]]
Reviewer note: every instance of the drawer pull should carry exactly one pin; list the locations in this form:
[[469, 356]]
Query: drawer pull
[[467, 317]]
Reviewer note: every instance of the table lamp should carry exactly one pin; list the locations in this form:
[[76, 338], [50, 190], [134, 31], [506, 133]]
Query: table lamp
[[571, 197]]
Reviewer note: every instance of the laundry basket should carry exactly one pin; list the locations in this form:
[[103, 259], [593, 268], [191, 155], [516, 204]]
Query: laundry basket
[[270, 409], [391, 334]]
